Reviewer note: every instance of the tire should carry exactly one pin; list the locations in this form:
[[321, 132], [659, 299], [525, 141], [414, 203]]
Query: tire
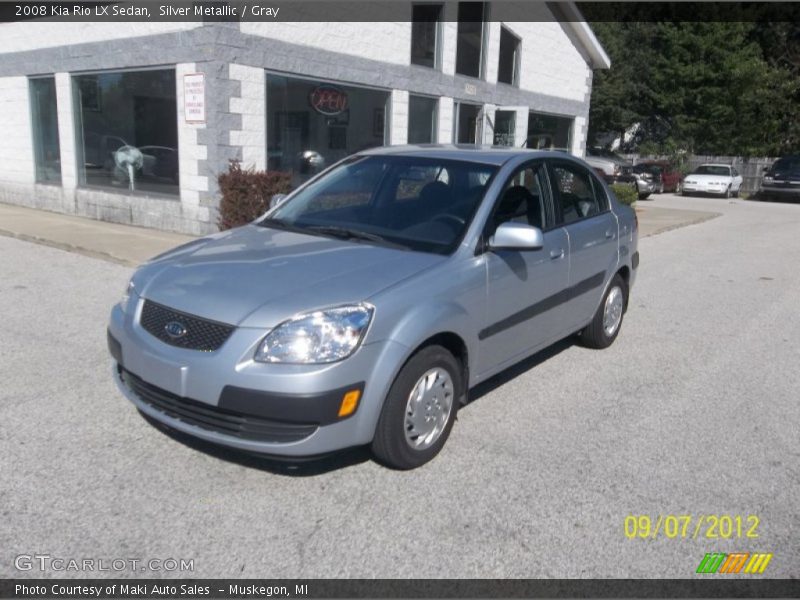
[[644, 196], [736, 193], [598, 334], [395, 444], [727, 193]]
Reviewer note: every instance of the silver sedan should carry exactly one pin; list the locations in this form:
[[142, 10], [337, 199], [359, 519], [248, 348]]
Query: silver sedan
[[363, 307]]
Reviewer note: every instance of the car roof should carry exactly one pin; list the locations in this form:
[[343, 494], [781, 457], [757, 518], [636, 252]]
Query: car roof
[[492, 155]]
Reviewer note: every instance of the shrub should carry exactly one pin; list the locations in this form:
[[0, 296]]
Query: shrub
[[246, 193], [626, 194]]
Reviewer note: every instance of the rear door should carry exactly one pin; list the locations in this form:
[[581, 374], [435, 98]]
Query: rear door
[[583, 210]]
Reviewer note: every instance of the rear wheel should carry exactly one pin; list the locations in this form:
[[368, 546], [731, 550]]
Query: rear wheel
[[607, 321], [420, 409]]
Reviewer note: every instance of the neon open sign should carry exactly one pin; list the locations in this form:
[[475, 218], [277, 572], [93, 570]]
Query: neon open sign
[[328, 100]]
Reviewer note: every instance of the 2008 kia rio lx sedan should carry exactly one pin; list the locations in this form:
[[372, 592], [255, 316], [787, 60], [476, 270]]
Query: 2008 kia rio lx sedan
[[362, 308]]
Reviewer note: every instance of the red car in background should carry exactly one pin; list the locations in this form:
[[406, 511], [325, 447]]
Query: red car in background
[[666, 178]]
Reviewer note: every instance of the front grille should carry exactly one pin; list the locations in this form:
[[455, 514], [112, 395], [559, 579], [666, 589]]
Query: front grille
[[200, 334], [213, 418]]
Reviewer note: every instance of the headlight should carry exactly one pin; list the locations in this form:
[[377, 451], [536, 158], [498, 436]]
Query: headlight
[[126, 295], [323, 336]]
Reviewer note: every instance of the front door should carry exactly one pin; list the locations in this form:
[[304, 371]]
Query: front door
[[524, 286]]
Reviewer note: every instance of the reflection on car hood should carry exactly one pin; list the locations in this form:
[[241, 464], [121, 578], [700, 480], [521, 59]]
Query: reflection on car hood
[[256, 276]]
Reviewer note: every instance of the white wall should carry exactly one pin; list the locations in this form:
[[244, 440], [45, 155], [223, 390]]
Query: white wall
[[251, 104], [385, 41], [66, 131], [16, 151], [193, 183], [550, 63], [32, 35], [399, 118]]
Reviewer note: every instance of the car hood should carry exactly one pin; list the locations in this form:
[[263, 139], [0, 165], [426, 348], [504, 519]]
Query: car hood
[[257, 276]]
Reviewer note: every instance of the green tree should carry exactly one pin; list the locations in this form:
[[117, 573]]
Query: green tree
[[704, 87]]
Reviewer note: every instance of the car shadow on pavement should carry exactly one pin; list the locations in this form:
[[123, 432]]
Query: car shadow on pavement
[[293, 468], [517, 369]]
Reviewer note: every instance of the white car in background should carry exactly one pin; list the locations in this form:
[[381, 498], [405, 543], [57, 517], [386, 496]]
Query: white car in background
[[721, 180]]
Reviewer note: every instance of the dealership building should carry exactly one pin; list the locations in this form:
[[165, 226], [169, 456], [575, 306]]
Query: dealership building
[[132, 122]]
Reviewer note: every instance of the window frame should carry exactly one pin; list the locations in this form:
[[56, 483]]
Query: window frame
[[35, 129], [598, 191], [436, 114], [484, 38], [438, 36], [516, 68]]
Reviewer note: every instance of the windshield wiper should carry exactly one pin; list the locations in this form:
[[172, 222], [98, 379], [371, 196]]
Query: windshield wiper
[[279, 224], [352, 234]]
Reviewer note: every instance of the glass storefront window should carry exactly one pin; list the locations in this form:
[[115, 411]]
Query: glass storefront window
[[44, 119], [468, 127], [311, 125], [504, 124], [422, 119], [548, 131], [127, 130]]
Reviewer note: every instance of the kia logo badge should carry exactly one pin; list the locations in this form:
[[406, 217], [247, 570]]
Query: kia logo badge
[[175, 330]]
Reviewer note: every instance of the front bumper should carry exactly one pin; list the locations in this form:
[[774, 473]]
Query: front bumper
[[781, 191], [227, 398], [699, 188]]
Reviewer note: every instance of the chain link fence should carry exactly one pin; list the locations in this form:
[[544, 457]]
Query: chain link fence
[[751, 169]]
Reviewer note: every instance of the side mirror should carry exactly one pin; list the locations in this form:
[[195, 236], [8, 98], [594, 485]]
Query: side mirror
[[277, 200], [517, 236]]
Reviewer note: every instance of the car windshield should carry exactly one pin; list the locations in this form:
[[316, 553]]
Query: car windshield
[[787, 164], [654, 169], [415, 203], [712, 170]]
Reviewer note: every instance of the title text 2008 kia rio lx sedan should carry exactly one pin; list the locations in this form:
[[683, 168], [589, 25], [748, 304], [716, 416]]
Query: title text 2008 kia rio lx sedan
[[362, 308]]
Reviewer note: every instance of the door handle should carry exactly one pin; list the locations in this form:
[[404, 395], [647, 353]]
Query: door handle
[[609, 234], [554, 254]]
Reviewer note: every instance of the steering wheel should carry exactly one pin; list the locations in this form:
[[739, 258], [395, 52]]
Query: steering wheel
[[451, 220]]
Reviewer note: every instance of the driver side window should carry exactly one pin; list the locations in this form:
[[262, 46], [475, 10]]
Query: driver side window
[[522, 199]]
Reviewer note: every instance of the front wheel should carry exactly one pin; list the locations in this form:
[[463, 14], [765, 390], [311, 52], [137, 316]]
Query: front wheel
[[607, 321], [420, 409]]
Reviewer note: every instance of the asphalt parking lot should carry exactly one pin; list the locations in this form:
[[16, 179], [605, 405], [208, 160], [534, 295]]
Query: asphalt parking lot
[[693, 411]]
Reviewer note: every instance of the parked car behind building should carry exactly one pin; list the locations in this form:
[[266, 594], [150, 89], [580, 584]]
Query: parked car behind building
[[721, 180], [665, 177], [782, 179], [617, 169]]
